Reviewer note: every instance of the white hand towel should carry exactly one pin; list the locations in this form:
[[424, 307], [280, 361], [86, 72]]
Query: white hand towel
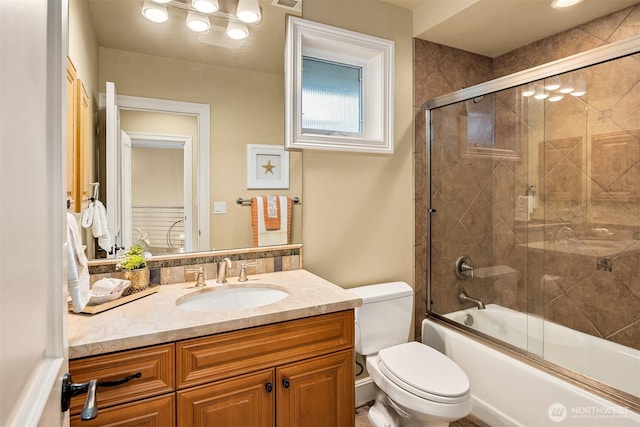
[[100, 227], [87, 216], [109, 285], [77, 270]]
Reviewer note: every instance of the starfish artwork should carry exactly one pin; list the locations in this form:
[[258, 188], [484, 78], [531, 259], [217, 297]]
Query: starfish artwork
[[268, 168]]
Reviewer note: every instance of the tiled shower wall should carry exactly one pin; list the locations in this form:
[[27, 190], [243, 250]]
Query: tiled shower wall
[[487, 188]]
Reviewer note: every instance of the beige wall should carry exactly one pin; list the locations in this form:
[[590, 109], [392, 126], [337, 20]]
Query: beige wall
[[246, 108], [358, 207], [164, 164]]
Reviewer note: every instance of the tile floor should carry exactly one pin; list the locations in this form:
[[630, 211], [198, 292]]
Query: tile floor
[[362, 420]]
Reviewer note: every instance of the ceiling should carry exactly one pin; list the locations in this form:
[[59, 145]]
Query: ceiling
[[494, 27], [486, 27], [119, 24]]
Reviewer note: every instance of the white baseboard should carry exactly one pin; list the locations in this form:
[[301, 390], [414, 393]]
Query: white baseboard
[[365, 391]]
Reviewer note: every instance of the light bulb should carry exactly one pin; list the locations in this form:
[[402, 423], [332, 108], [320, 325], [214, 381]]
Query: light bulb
[[248, 11], [154, 12], [580, 88], [541, 95], [198, 22], [529, 91], [205, 6], [559, 4], [237, 30], [552, 83]]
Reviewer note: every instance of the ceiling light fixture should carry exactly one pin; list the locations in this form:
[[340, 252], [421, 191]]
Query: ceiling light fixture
[[205, 6], [237, 30], [198, 22], [555, 98], [161, 1], [560, 4], [154, 12], [248, 11]]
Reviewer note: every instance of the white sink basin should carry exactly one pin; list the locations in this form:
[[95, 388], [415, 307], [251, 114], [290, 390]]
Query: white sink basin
[[231, 299]]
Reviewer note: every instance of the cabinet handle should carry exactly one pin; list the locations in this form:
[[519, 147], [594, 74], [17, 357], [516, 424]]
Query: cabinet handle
[[286, 383], [90, 409], [268, 387]]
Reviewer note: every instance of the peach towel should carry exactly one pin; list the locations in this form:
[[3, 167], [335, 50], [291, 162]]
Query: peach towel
[[259, 213]]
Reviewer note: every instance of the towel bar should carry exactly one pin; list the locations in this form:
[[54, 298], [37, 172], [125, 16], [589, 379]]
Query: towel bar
[[247, 202]]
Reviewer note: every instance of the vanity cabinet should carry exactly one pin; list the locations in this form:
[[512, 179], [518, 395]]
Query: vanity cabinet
[[293, 373], [130, 400]]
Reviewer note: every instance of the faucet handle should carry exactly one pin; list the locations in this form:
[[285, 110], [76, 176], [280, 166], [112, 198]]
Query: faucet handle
[[200, 280], [243, 271]]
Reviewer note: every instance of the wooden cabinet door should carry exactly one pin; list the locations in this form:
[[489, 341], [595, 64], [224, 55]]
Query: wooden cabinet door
[[317, 392], [157, 412], [247, 400]]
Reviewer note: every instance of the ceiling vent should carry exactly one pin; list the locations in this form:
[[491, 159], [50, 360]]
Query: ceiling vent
[[289, 4]]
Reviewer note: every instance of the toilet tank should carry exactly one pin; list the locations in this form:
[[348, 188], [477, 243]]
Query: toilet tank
[[385, 316]]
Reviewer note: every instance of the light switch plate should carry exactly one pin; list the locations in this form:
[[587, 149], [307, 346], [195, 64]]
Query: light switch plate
[[219, 208]]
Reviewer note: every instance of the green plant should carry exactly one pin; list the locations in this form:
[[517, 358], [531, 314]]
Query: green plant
[[133, 259]]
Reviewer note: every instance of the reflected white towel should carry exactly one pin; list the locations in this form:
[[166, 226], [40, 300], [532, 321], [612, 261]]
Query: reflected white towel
[[77, 270], [100, 227]]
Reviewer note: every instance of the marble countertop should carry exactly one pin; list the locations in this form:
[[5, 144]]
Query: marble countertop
[[156, 318]]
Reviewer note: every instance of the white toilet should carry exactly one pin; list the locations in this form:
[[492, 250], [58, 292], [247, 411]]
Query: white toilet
[[415, 384]]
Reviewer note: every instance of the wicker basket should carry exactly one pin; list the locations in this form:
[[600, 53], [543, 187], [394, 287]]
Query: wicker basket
[[139, 280]]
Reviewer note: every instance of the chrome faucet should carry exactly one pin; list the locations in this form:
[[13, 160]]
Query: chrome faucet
[[225, 264], [463, 297]]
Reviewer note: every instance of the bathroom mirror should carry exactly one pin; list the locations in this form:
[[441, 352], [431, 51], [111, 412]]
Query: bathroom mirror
[[242, 81]]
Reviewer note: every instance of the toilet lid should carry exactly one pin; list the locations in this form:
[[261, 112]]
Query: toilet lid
[[425, 372]]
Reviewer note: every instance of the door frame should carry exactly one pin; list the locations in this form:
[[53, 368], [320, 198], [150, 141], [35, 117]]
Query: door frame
[[203, 114], [163, 141], [38, 397]]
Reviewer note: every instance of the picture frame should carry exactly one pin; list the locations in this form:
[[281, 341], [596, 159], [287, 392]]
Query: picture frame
[[267, 167]]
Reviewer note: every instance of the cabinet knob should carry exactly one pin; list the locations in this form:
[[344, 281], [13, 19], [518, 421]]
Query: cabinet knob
[[286, 383], [268, 387]]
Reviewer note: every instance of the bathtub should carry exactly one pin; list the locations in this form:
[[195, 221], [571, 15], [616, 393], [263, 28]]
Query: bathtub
[[508, 392]]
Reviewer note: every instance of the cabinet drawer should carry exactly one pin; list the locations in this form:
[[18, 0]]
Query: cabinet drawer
[[157, 411], [228, 354], [156, 364]]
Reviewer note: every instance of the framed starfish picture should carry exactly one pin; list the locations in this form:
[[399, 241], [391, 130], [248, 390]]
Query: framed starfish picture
[[267, 167]]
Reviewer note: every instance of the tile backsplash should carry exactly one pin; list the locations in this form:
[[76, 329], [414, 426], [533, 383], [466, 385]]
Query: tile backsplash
[[180, 268]]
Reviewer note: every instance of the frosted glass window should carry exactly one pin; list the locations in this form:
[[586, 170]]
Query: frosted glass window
[[331, 97]]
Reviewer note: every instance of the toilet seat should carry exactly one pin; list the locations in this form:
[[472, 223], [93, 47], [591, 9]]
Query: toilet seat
[[424, 372]]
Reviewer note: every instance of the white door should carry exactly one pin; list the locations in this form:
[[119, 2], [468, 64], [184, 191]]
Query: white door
[[33, 349], [113, 166], [126, 221]]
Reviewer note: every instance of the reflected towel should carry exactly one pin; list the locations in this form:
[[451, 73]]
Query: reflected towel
[[77, 270], [259, 212], [100, 226], [271, 212]]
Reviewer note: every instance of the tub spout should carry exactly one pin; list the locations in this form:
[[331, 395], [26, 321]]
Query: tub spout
[[463, 297]]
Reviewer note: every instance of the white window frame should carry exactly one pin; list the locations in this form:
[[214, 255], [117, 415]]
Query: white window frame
[[373, 54]]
